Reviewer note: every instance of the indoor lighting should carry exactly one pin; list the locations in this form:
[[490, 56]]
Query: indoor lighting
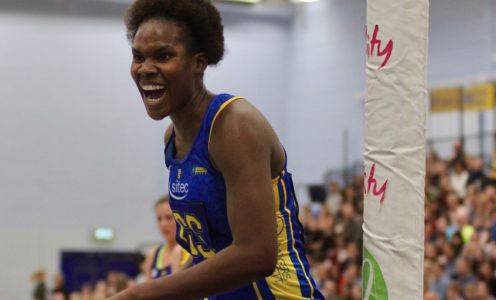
[[103, 234]]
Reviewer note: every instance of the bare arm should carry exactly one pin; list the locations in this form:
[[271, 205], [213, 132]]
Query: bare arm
[[239, 132]]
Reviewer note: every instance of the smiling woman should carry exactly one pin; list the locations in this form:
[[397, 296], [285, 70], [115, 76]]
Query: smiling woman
[[163, 67], [231, 195]]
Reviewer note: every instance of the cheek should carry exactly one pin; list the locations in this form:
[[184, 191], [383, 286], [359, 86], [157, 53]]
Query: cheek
[[134, 72], [171, 224]]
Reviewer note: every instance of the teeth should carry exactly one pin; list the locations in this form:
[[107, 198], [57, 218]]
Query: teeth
[[152, 87], [149, 98]]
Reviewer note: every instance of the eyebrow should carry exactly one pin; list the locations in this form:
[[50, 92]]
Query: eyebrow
[[157, 50]]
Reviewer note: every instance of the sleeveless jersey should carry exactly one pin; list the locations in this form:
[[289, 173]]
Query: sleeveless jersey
[[158, 269], [198, 201]]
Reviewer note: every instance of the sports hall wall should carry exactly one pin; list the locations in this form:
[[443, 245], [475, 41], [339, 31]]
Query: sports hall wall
[[78, 150], [462, 47]]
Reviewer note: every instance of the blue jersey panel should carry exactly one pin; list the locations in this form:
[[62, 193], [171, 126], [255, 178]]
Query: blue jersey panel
[[198, 201]]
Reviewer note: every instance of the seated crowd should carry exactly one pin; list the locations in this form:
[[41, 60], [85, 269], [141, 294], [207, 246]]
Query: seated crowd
[[99, 290], [460, 233]]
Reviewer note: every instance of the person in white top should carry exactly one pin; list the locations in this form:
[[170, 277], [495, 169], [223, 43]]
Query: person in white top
[[459, 178]]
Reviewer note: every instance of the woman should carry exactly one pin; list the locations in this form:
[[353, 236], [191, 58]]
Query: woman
[[230, 192], [167, 258], [40, 289]]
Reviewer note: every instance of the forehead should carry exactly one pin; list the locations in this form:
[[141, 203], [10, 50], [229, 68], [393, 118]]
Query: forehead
[[163, 207], [157, 32]]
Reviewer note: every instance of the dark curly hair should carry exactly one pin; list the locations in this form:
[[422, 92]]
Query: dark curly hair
[[203, 25]]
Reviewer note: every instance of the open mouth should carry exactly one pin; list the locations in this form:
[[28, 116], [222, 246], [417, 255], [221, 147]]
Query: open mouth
[[153, 92]]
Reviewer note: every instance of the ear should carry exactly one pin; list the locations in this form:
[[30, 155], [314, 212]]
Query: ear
[[201, 62]]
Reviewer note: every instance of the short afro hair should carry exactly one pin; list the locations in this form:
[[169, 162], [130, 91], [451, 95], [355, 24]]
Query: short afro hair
[[200, 17]]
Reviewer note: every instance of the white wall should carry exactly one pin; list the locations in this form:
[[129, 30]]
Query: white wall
[[462, 40], [79, 150], [256, 64], [327, 70]]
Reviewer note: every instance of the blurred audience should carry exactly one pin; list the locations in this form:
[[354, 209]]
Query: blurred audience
[[460, 232]]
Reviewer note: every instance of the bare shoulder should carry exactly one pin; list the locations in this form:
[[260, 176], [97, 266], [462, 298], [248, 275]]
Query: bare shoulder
[[177, 250], [241, 130], [239, 119]]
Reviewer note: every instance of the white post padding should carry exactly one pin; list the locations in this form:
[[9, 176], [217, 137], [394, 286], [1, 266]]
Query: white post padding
[[394, 158]]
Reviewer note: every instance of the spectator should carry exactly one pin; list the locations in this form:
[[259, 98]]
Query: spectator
[[59, 286], [440, 281], [458, 154], [459, 177], [487, 275], [454, 292], [463, 275], [470, 291], [476, 176], [74, 296], [334, 197], [430, 295], [482, 292], [87, 291], [100, 292], [348, 227], [462, 221], [58, 296], [493, 226], [40, 290]]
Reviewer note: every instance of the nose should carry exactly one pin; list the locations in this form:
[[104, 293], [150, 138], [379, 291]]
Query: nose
[[147, 68]]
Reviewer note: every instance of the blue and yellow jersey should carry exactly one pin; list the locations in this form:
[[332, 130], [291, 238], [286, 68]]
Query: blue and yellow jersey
[[198, 201], [158, 268]]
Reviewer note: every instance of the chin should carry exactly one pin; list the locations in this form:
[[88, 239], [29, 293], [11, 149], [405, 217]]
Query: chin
[[156, 116]]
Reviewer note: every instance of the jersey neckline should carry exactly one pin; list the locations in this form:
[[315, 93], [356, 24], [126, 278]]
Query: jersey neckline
[[171, 142]]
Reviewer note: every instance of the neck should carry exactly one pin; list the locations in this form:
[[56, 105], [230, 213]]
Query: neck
[[171, 244], [188, 120]]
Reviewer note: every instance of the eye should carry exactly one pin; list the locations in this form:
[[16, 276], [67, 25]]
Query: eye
[[163, 56], [138, 58]]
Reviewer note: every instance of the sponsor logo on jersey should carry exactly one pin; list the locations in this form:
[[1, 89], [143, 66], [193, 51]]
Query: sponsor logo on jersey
[[177, 189], [199, 170]]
